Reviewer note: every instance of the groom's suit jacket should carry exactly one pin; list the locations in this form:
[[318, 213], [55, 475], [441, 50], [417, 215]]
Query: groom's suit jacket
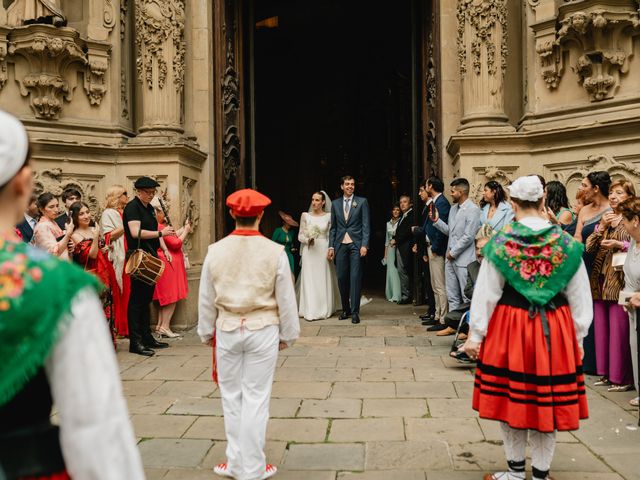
[[357, 223]]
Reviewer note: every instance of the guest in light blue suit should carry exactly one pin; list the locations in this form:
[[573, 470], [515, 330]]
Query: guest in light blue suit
[[495, 209], [348, 245], [464, 223]]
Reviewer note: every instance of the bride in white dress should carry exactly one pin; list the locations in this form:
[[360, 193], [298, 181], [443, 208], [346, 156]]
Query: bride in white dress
[[318, 285]]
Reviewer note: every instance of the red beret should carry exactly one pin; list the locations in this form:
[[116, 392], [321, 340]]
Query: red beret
[[247, 202]]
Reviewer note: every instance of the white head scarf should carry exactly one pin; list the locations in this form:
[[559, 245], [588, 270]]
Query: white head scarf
[[327, 203], [14, 145], [527, 188]]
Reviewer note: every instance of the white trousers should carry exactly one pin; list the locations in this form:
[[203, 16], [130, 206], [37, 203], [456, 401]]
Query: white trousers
[[246, 365], [455, 281]]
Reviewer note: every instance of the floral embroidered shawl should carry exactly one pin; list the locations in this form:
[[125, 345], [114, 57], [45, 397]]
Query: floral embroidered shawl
[[538, 264], [36, 293]]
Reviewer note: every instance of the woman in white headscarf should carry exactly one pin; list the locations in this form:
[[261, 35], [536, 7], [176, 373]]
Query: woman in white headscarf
[[318, 286]]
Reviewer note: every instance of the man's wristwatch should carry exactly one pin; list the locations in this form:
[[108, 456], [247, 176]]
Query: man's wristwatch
[[159, 233]]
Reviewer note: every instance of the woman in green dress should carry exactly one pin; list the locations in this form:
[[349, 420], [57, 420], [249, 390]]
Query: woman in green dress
[[285, 235]]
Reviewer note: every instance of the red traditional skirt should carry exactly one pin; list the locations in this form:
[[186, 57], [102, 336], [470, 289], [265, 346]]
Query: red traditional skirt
[[522, 382], [55, 476]]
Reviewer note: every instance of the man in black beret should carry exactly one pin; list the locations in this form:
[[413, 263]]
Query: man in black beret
[[141, 231]]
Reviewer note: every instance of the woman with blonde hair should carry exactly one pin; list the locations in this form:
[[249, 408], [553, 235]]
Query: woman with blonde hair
[[112, 229], [613, 356]]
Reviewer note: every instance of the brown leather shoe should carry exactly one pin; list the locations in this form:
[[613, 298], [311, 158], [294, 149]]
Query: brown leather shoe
[[446, 332]]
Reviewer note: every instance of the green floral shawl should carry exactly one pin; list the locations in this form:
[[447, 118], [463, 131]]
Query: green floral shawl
[[538, 264], [36, 292]]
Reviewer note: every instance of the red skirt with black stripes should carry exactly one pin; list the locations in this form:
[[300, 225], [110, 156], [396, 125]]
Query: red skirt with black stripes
[[521, 381]]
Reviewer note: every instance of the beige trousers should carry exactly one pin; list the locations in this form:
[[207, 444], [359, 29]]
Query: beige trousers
[[436, 272]]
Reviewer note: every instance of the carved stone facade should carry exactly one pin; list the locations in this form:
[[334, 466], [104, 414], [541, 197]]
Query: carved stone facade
[[114, 89]]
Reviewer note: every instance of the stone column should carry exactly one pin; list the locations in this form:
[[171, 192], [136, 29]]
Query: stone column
[[482, 55], [160, 57]]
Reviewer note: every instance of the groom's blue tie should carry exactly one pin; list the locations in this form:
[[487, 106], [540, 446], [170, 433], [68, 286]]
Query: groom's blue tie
[[346, 207]]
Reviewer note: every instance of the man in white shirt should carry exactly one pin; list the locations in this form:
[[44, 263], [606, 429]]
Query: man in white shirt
[[247, 310]]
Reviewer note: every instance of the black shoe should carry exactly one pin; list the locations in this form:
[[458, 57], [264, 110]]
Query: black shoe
[[141, 350], [344, 316], [356, 318], [427, 321], [155, 344], [437, 327], [427, 316], [406, 301]]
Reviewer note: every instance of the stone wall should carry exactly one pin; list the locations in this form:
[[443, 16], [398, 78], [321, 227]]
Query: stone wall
[[579, 91], [114, 89]]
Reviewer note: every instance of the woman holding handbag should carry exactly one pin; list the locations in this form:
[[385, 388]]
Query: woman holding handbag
[[90, 253], [608, 243]]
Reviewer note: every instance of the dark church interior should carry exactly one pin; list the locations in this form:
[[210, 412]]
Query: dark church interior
[[332, 95]]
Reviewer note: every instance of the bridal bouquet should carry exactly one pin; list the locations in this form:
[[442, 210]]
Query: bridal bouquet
[[312, 232]]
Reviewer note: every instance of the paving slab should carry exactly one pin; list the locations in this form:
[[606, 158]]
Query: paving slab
[[364, 390], [302, 430], [320, 341], [187, 388], [440, 389], [394, 407], [140, 387], [387, 374], [274, 451], [366, 430], [362, 342], [164, 452], [175, 373], [451, 408], [385, 331], [319, 390], [407, 341], [196, 406], [323, 456], [149, 404], [449, 430], [211, 428], [384, 475], [317, 374], [331, 408], [379, 361], [161, 426], [409, 455]]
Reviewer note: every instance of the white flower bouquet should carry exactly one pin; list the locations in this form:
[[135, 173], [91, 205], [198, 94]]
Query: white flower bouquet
[[312, 232]]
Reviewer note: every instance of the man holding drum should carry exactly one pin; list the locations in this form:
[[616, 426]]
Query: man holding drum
[[141, 231]]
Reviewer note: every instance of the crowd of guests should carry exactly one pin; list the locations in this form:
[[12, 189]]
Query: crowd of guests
[[447, 239], [102, 247]]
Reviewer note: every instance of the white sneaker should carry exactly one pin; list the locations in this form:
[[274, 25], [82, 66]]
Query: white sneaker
[[634, 402], [270, 471], [223, 470]]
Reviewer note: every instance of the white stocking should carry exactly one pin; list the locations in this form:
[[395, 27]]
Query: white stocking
[[542, 447], [515, 445]]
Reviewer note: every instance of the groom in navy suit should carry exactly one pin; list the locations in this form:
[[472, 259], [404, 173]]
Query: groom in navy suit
[[348, 245]]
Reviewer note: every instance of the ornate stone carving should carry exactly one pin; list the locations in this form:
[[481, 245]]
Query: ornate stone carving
[[431, 98], [600, 33], [27, 12], [504, 176], [230, 104], [159, 30], [48, 77], [482, 55], [124, 12], [54, 180], [3, 56], [160, 23], [108, 15], [189, 208]]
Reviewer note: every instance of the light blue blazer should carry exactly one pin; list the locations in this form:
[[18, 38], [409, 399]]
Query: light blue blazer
[[503, 216]]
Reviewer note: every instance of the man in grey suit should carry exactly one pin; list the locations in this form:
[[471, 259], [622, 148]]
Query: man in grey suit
[[348, 245], [464, 223]]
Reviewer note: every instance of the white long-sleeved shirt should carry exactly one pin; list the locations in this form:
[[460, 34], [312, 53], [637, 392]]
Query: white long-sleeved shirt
[[96, 436], [490, 285], [285, 298]]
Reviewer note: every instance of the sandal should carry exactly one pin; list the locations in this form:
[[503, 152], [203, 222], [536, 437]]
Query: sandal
[[603, 382], [222, 469], [619, 388], [270, 471], [634, 402]]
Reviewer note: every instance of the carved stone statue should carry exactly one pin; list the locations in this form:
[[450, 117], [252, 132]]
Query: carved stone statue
[[25, 12]]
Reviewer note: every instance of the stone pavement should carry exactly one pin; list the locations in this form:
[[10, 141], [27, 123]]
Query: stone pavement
[[375, 401]]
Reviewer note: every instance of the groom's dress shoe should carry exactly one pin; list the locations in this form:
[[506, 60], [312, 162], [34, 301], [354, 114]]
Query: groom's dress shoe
[[344, 316], [141, 350], [155, 344], [406, 301], [356, 318]]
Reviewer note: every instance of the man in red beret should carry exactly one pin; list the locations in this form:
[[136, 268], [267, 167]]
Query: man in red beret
[[247, 309]]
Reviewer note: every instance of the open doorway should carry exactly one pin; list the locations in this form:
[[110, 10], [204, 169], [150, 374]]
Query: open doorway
[[332, 91]]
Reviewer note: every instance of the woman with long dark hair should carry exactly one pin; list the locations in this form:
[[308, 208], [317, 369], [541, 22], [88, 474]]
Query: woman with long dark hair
[[594, 190], [557, 205], [392, 285], [495, 209], [47, 235], [90, 253]]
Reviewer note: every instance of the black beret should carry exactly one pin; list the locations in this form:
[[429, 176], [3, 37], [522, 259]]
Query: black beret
[[146, 182]]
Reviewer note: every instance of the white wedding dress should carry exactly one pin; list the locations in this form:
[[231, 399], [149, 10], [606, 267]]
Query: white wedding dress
[[318, 291]]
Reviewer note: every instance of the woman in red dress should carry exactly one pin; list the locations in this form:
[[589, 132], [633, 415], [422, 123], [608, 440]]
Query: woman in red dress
[[91, 255], [172, 285], [526, 327]]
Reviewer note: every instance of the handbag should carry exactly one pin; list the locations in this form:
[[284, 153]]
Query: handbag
[[617, 260]]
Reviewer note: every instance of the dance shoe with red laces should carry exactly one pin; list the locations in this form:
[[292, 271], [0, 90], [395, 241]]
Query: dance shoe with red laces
[[223, 470], [507, 476]]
